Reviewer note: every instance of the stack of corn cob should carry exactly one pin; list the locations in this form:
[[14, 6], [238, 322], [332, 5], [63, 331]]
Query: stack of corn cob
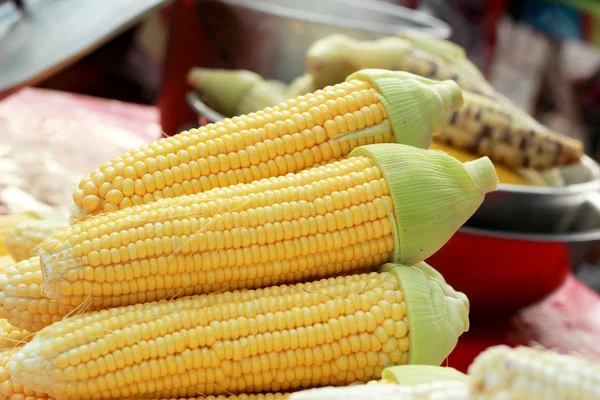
[[488, 124], [250, 255], [268, 253]]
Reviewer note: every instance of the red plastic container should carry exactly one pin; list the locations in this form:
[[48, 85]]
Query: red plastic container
[[502, 273]]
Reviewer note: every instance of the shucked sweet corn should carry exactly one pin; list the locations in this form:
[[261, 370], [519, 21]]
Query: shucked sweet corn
[[373, 106], [383, 203], [331, 332]]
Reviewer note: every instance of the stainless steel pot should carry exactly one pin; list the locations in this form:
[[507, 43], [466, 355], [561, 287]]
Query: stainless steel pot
[[270, 37]]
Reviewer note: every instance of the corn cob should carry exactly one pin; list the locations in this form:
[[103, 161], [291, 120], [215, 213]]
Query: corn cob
[[23, 240], [11, 336], [10, 221], [235, 92], [504, 373], [373, 106], [23, 300], [385, 202], [330, 332], [487, 124], [9, 390], [481, 126], [12, 391], [330, 59]]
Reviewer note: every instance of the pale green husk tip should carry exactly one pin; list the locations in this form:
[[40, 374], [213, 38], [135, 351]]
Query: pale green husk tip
[[418, 374], [433, 195], [437, 314], [417, 107], [483, 173], [223, 89]]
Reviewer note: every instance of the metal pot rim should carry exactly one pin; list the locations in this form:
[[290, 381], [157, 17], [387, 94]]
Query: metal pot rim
[[425, 23], [580, 237]]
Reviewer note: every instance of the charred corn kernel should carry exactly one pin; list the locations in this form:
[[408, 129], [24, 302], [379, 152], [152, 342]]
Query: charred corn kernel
[[11, 336], [22, 242], [10, 390], [235, 92], [505, 175], [482, 126], [501, 372], [373, 106], [280, 338], [384, 202]]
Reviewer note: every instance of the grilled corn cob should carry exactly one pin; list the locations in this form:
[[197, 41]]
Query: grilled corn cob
[[373, 106], [487, 124], [23, 240], [235, 92], [330, 332], [504, 373], [385, 202], [482, 126]]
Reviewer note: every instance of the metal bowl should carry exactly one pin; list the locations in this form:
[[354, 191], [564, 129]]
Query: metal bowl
[[520, 209], [270, 37]]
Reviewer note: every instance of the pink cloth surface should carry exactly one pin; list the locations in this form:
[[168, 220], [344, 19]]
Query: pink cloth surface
[[567, 321], [49, 140]]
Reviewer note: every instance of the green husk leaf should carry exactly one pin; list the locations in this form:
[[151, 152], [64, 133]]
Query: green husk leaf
[[433, 195], [260, 96], [223, 89], [437, 314], [417, 107], [417, 374], [300, 86]]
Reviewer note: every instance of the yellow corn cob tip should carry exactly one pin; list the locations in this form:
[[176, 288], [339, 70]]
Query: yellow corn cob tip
[[438, 314], [426, 217], [418, 107], [223, 89], [417, 374]]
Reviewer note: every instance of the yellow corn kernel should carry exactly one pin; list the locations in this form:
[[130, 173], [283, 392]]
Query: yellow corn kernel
[[11, 336], [23, 301], [374, 106], [343, 217], [501, 372], [23, 240], [9, 390], [334, 331]]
